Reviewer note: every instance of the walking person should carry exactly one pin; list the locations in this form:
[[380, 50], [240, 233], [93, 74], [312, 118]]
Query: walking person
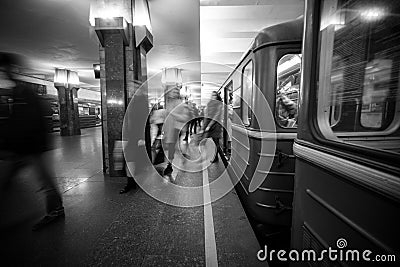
[[229, 126], [195, 120], [24, 138], [157, 120], [177, 117], [135, 127], [212, 126], [187, 126]]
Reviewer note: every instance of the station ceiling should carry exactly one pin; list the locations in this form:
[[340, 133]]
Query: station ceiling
[[57, 34]]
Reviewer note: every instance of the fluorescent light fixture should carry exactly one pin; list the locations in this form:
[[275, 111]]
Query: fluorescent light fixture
[[373, 13], [66, 78], [73, 79], [171, 76], [108, 9], [61, 77], [141, 15]]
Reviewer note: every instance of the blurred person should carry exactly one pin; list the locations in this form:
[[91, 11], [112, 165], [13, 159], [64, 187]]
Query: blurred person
[[24, 138], [194, 121], [190, 118], [229, 125], [201, 116], [135, 129], [287, 111], [157, 119], [177, 117], [212, 126]]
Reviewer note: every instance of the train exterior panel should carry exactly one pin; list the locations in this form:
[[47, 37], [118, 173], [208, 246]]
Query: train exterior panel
[[270, 203], [347, 181]]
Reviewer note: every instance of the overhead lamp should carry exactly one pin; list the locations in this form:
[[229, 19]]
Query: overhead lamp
[[66, 78], [373, 13], [73, 79], [61, 77], [111, 15], [171, 76], [141, 15], [141, 22], [110, 9]]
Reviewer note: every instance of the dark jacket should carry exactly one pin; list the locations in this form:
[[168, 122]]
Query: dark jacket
[[214, 113], [25, 130]]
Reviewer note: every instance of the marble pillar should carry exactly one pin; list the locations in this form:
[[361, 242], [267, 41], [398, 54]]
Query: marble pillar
[[114, 100], [122, 68], [69, 114]]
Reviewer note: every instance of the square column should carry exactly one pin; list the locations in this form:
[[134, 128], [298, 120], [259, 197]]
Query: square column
[[69, 114], [122, 68], [113, 36]]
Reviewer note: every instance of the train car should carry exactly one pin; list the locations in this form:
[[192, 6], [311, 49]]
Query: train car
[[272, 64], [347, 181]]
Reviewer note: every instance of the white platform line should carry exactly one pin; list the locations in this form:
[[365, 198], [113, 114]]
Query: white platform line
[[210, 246]]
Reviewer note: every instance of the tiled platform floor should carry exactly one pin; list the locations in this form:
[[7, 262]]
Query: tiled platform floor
[[104, 228]]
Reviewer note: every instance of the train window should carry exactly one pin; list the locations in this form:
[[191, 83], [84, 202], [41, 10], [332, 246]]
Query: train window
[[236, 98], [247, 85], [375, 93], [287, 91], [236, 94], [359, 72]]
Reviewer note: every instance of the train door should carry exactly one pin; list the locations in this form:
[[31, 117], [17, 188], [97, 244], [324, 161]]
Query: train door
[[347, 182]]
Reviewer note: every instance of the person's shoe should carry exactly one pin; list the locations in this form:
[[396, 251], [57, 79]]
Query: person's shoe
[[127, 188], [49, 218]]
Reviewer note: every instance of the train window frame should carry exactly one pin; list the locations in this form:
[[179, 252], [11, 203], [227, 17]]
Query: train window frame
[[246, 114], [236, 105], [277, 121], [324, 88]]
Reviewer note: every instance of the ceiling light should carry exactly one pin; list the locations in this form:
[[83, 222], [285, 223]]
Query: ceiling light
[[373, 13], [171, 76]]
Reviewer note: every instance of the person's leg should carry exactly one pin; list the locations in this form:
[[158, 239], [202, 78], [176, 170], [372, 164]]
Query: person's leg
[[131, 183], [159, 127], [186, 134], [229, 149], [218, 150], [194, 125], [47, 184], [194, 130], [171, 154], [53, 199]]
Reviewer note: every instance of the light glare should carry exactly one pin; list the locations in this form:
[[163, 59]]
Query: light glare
[[372, 13]]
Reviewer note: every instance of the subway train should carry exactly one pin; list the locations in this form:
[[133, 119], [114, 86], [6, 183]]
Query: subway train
[[334, 88], [272, 64]]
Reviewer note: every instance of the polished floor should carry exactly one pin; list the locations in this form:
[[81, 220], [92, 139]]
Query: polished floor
[[104, 228]]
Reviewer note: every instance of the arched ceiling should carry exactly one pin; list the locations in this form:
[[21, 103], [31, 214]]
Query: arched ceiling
[[57, 33]]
